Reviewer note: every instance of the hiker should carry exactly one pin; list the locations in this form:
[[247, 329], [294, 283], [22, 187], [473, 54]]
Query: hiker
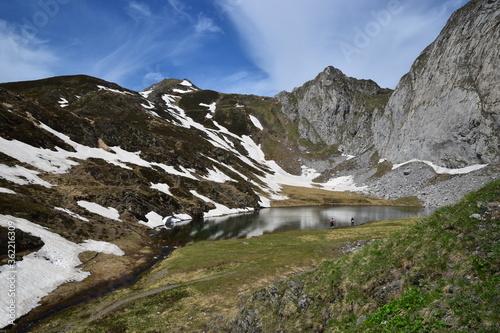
[[352, 221], [332, 223]]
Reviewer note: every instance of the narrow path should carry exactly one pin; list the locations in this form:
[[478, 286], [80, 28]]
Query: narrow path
[[146, 293]]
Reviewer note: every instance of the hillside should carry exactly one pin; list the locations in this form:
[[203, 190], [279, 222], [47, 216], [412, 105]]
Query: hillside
[[439, 275], [101, 166], [90, 170]]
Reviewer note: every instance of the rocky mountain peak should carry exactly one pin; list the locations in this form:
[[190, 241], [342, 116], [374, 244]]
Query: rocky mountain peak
[[335, 109]]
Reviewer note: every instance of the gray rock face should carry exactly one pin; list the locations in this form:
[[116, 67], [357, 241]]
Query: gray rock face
[[447, 108], [335, 109]]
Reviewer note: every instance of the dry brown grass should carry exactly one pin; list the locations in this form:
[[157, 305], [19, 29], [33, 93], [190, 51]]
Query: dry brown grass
[[302, 196]]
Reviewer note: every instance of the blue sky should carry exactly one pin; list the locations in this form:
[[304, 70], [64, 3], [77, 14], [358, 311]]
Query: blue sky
[[234, 46]]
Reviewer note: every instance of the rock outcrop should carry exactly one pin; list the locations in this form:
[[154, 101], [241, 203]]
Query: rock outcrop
[[447, 108], [334, 109]]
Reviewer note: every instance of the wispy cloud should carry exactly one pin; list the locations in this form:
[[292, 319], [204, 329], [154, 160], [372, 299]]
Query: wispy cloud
[[172, 36], [138, 10], [179, 7], [292, 41], [23, 58], [206, 24]]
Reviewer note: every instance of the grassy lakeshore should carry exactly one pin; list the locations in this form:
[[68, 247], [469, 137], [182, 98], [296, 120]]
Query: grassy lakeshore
[[213, 278], [434, 274]]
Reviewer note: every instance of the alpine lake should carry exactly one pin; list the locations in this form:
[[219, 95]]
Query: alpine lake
[[282, 219]]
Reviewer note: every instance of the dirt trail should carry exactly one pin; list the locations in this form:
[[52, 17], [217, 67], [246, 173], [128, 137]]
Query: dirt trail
[[146, 293]]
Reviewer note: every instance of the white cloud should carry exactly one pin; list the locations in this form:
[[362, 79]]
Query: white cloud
[[23, 58], [179, 7], [292, 41], [206, 24]]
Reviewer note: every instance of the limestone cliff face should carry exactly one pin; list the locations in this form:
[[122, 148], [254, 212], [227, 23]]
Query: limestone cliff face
[[447, 108], [335, 109]]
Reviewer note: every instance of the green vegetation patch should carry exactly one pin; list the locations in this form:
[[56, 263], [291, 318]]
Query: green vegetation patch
[[214, 277], [440, 274]]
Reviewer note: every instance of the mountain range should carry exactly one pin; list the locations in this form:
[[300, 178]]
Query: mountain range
[[93, 164]]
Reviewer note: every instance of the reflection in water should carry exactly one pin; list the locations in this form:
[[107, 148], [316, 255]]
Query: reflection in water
[[281, 219]]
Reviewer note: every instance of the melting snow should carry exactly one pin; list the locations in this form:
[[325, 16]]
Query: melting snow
[[20, 175], [256, 122], [345, 183], [219, 209], [6, 190], [70, 213], [348, 157], [146, 93], [41, 272], [218, 176], [114, 90], [63, 102], [154, 220], [59, 161], [211, 107], [186, 83], [442, 170], [162, 188], [110, 212]]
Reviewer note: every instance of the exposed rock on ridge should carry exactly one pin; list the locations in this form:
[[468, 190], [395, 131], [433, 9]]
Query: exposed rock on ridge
[[334, 109], [447, 108]]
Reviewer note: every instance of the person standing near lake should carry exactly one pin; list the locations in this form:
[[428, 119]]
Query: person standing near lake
[[352, 221], [332, 223]]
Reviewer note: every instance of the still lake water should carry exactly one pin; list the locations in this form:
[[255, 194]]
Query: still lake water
[[282, 219]]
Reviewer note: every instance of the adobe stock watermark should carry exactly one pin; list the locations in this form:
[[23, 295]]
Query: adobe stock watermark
[[11, 273], [48, 9], [364, 36]]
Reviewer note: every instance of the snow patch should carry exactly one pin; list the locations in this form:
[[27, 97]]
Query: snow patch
[[211, 108], [41, 272], [146, 93], [256, 122], [110, 212], [186, 83], [63, 102], [22, 176], [348, 157], [219, 210], [114, 90], [343, 184], [154, 220], [217, 176], [6, 190], [60, 160], [70, 213], [162, 187], [183, 217], [442, 170]]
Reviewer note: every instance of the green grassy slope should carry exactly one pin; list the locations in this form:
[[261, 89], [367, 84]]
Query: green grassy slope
[[440, 274]]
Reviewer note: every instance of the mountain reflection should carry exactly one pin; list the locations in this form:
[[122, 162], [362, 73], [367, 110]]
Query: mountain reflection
[[281, 219]]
